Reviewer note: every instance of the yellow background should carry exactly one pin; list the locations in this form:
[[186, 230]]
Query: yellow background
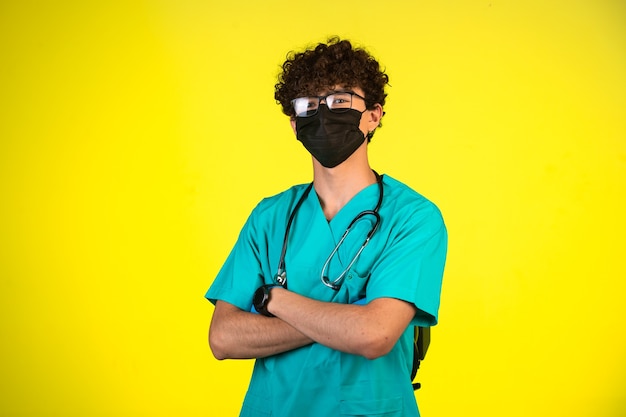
[[135, 138]]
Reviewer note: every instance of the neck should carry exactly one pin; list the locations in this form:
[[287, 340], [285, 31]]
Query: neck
[[336, 186]]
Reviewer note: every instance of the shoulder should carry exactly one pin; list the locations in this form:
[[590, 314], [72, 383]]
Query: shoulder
[[278, 204], [400, 195], [407, 205], [271, 211]]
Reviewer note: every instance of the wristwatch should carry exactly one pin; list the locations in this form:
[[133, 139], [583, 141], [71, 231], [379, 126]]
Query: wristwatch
[[261, 298]]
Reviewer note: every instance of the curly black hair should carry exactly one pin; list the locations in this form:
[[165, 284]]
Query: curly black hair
[[335, 63]]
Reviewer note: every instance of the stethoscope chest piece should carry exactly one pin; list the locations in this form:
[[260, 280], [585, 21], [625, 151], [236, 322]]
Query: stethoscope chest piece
[[281, 278]]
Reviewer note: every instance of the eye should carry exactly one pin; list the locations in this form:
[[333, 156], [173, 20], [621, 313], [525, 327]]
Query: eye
[[305, 105], [340, 100]]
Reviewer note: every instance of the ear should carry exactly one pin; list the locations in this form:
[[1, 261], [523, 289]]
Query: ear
[[375, 115], [292, 120]]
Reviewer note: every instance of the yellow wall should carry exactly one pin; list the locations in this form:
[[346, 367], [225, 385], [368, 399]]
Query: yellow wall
[[135, 137]]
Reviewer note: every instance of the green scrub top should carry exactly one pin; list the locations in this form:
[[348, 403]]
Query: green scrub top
[[404, 260]]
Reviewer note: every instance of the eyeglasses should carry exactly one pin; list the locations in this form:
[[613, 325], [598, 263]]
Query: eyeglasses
[[336, 102]]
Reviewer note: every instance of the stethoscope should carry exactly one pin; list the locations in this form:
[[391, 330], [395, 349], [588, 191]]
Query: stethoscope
[[281, 274]]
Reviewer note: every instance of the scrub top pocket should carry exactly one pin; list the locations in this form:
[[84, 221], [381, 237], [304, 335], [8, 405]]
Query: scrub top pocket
[[353, 288], [385, 407]]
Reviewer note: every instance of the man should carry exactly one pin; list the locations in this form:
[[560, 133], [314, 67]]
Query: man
[[327, 281]]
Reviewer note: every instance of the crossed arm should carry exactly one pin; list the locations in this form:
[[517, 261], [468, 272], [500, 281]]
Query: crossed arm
[[369, 330]]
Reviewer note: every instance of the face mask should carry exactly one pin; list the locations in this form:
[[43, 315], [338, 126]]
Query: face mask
[[330, 137]]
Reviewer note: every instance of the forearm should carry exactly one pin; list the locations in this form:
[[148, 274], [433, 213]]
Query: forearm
[[236, 334], [370, 330]]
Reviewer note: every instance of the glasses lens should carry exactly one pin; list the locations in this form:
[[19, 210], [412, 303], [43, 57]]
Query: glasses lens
[[339, 102], [305, 106], [336, 102]]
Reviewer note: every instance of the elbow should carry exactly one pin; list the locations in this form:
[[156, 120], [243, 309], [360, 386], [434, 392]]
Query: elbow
[[217, 345], [375, 347], [372, 353]]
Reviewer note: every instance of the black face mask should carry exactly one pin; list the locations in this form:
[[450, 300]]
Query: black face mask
[[330, 137]]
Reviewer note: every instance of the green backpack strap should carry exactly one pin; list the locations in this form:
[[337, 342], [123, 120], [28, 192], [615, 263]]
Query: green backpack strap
[[421, 341]]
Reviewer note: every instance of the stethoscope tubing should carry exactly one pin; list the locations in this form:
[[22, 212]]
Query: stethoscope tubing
[[281, 274], [335, 284]]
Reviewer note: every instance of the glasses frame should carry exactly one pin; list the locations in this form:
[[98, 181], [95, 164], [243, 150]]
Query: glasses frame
[[319, 103]]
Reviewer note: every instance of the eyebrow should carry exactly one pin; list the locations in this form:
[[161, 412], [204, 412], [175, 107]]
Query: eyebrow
[[339, 90]]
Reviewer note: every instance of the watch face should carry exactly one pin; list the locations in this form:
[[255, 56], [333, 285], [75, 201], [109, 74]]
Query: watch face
[[259, 297]]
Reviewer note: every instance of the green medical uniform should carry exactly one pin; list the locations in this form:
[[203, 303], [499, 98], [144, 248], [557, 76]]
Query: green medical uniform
[[404, 260]]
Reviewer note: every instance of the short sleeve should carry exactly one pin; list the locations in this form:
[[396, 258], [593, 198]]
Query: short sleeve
[[411, 266], [241, 273]]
